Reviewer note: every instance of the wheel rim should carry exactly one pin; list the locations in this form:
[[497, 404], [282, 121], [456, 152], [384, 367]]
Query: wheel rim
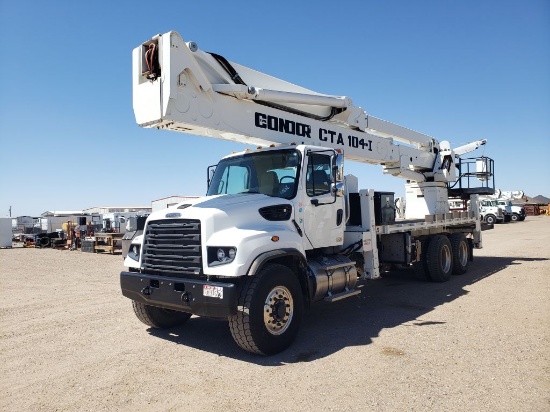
[[278, 310], [463, 254], [446, 259]]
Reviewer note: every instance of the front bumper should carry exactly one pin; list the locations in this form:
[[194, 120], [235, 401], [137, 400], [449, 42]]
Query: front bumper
[[186, 295]]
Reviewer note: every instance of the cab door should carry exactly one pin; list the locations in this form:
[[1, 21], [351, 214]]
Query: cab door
[[323, 212]]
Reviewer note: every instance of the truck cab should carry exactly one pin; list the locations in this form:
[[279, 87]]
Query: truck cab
[[492, 213], [516, 213]]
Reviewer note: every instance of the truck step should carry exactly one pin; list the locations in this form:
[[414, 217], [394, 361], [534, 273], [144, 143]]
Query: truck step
[[342, 295]]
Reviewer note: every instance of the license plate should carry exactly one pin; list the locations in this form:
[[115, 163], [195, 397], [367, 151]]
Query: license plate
[[212, 291]]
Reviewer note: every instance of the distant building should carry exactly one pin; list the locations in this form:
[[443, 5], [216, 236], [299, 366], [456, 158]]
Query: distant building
[[60, 213], [53, 220], [24, 224], [103, 210], [165, 202]]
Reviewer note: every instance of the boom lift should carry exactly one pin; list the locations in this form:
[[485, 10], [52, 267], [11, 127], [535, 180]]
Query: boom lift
[[281, 226]]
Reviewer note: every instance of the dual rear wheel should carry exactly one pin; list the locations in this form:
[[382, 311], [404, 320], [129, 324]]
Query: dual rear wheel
[[442, 256]]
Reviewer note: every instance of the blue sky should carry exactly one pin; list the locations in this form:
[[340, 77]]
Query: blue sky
[[458, 71]]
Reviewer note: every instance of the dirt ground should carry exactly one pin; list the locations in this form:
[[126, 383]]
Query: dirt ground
[[69, 341]]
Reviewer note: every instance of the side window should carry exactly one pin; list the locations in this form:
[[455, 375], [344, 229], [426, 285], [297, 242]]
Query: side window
[[233, 180], [318, 175]]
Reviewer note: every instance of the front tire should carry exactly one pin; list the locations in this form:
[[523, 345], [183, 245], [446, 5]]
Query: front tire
[[515, 217], [269, 311], [490, 219], [159, 318]]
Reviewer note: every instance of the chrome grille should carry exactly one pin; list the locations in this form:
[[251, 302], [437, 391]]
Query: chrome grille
[[172, 247]]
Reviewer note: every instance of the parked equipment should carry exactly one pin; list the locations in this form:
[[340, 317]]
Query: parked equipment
[[5, 232]]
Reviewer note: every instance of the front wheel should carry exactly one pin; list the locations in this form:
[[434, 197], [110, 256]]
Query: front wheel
[[490, 219], [515, 217], [159, 318], [269, 311]]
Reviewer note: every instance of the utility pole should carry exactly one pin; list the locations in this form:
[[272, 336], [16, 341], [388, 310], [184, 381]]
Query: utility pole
[[10, 211]]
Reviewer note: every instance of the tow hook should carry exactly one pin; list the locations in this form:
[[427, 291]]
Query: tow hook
[[146, 291]]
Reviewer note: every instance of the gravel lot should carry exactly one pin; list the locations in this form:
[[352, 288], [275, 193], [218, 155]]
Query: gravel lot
[[70, 342]]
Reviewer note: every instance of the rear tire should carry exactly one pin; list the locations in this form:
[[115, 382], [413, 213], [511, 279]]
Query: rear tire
[[159, 318], [439, 258], [420, 268], [269, 311], [461, 253]]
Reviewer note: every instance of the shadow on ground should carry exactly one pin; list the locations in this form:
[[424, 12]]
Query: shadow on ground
[[397, 298]]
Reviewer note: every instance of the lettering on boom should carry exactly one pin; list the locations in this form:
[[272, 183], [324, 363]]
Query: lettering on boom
[[291, 127], [352, 141], [282, 125]]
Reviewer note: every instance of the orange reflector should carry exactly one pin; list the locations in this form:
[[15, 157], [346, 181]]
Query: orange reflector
[[274, 238]]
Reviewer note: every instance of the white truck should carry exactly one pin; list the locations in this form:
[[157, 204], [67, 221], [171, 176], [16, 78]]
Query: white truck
[[281, 227], [517, 212], [490, 211], [504, 200]]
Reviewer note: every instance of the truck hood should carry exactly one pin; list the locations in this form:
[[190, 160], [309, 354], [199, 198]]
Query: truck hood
[[238, 210]]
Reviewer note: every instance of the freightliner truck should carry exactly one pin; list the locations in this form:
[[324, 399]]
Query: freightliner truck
[[281, 226]]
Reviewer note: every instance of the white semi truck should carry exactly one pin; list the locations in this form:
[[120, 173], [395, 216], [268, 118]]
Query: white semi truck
[[281, 226]]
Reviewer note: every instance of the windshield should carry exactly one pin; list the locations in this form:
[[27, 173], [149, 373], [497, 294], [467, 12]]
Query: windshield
[[272, 173]]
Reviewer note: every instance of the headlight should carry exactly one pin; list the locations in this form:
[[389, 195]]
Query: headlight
[[221, 255], [133, 252]]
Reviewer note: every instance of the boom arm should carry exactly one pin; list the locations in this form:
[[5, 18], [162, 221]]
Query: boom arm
[[179, 87]]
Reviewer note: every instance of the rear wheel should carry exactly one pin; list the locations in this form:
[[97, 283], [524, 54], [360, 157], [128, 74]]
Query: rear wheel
[[439, 258], [420, 267], [461, 253], [269, 311], [158, 317]]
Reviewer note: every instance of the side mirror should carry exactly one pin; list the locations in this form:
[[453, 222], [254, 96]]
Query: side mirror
[[337, 165], [209, 175]]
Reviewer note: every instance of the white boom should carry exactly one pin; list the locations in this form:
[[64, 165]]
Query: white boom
[[508, 195], [179, 87]]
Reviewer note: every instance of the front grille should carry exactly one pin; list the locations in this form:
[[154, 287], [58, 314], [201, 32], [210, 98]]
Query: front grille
[[172, 248]]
